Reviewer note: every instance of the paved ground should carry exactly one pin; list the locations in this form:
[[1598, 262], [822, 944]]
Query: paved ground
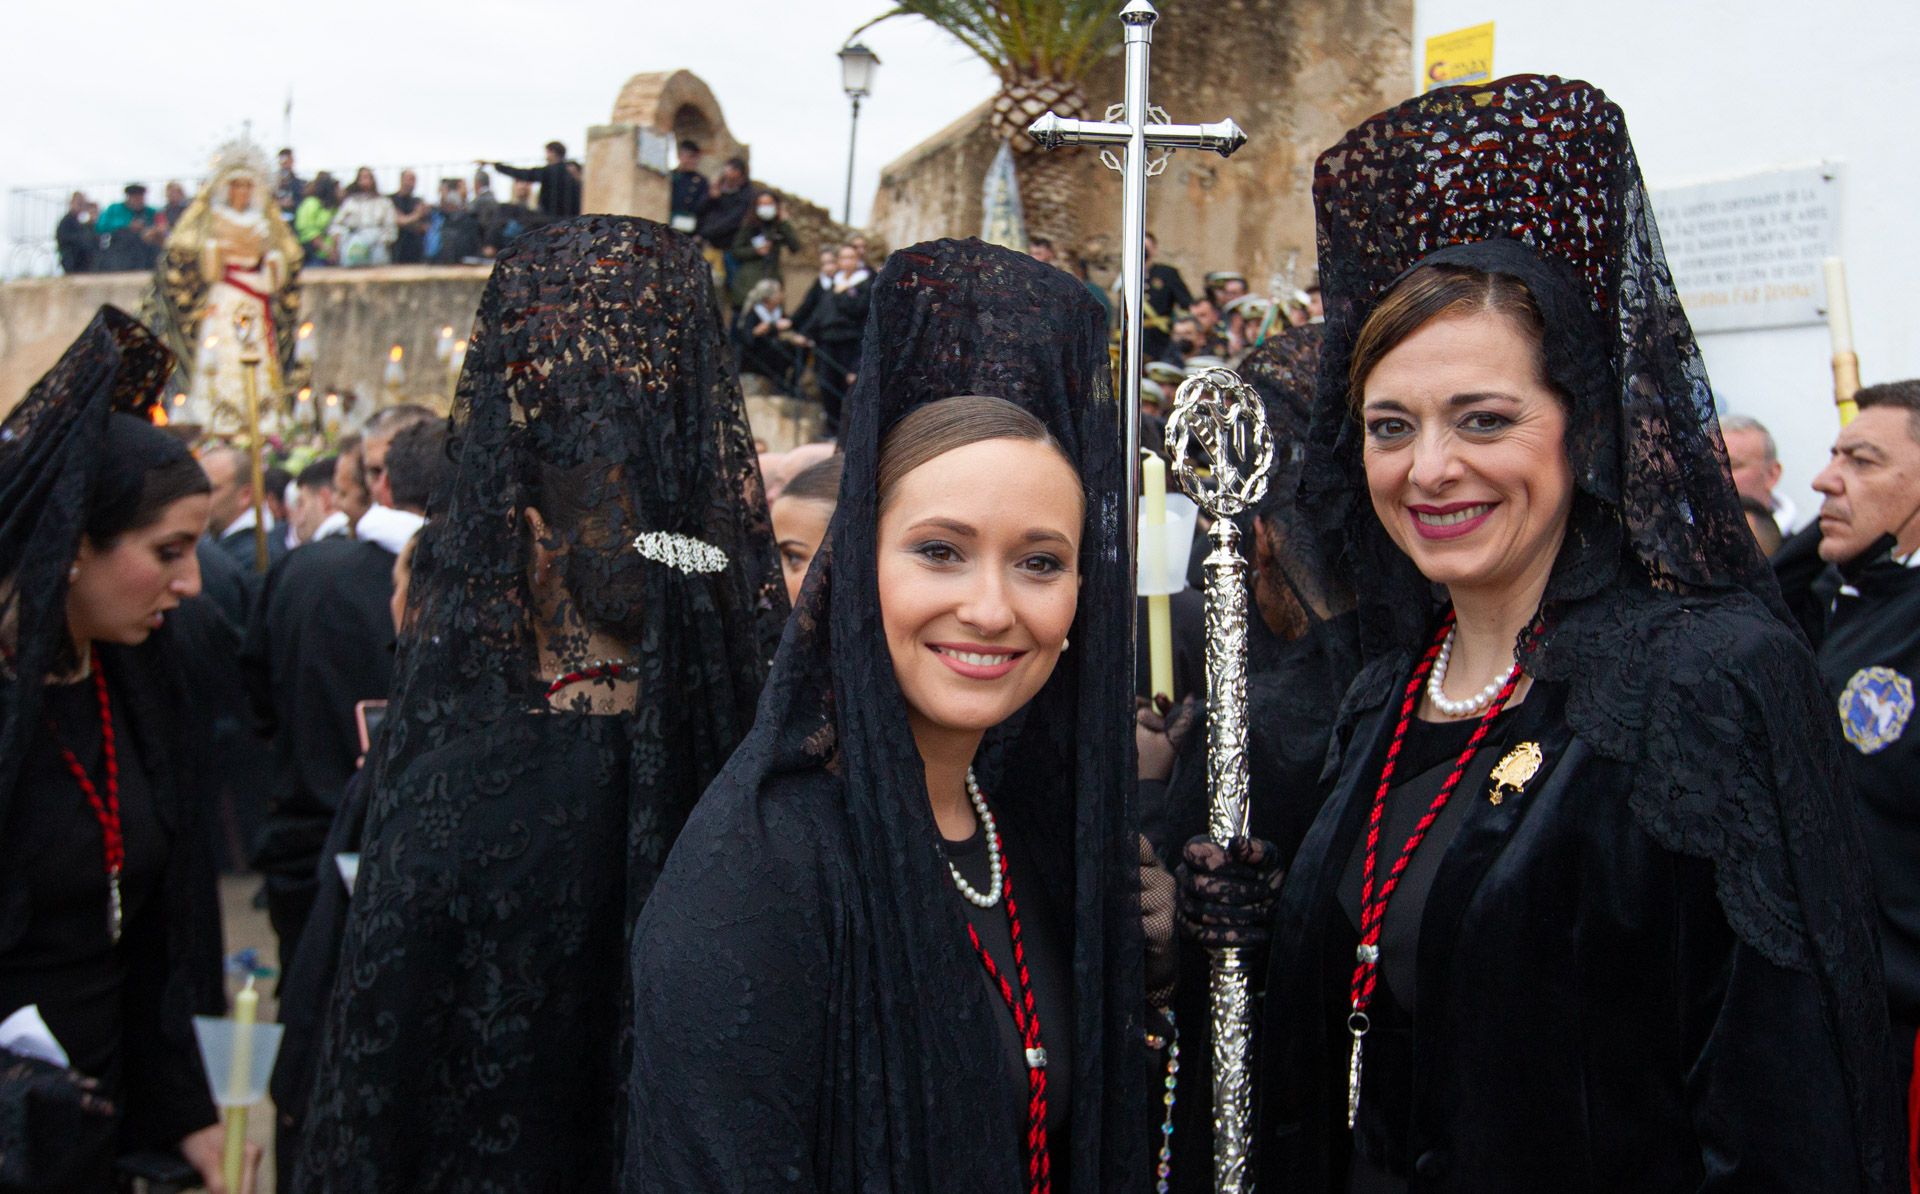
[[247, 926]]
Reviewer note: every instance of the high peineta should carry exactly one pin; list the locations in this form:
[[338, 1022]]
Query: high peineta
[[1534, 177]]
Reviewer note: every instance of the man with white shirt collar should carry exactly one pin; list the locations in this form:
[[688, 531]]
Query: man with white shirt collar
[[1869, 658], [231, 517], [1754, 459], [382, 523], [315, 515]]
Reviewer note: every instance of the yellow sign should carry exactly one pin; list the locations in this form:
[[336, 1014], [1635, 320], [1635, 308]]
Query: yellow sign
[[1463, 56]]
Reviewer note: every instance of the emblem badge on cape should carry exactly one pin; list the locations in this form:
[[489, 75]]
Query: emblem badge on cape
[[1874, 708], [1512, 772]]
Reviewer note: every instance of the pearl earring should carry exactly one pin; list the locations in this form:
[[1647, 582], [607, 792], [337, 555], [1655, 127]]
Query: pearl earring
[[73, 573], [1065, 643]]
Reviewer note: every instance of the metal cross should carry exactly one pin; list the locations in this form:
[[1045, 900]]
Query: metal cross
[[1137, 126]]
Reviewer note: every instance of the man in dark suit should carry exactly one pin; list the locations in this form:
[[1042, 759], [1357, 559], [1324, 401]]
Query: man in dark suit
[[320, 643], [230, 521]]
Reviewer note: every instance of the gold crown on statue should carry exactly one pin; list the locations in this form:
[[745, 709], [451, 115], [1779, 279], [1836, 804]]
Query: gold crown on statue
[[239, 156]]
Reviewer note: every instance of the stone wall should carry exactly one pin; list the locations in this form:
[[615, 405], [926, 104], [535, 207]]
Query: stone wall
[[671, 105], [358, 315], [1295, 74]]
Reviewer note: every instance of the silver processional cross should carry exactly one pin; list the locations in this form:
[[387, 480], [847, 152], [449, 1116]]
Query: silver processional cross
[[1217, 403], [1137, 127]]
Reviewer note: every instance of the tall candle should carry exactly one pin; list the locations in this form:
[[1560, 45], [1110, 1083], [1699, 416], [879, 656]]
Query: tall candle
[[1839, 314], [1153, 554], [246, 1009]]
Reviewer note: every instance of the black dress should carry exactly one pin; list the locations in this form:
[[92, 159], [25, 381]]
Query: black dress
[[115, 1009], [503, 895], [65, 961], [1579, 999]]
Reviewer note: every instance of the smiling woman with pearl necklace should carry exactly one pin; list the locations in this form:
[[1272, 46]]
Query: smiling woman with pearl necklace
[[1580, 909], [911, 901]]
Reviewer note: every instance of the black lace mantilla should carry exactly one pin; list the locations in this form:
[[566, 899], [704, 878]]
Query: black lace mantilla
[[482, 1020], [1534, 177]]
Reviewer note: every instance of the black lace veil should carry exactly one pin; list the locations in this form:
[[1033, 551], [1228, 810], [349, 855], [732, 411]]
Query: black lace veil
[[952, 318], [1533, 177], [599, 391]]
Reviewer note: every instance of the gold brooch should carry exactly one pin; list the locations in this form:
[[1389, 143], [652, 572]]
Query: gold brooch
[[1513, 771]]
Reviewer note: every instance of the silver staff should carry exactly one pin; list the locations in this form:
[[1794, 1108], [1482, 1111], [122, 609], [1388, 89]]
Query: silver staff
[[1137, 126], [1222, 449]]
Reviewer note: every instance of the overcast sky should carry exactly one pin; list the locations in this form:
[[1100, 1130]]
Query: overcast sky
[[114, 90]]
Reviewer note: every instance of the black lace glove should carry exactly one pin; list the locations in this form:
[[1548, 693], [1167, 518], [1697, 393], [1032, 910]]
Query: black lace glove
[[1228, 896], [56, 1128]]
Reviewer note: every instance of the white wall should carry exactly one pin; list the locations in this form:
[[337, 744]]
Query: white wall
[[1714, 89]]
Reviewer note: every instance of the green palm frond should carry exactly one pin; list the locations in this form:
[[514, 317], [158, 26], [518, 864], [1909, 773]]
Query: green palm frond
[[1052, 39]]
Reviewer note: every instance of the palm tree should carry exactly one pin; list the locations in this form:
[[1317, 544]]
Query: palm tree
[[1043, 51]]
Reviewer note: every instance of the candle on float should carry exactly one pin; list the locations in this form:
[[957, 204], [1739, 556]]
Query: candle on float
[[443, 345], [1153, 555], [246, 1009], [396, 371], [303, 346]]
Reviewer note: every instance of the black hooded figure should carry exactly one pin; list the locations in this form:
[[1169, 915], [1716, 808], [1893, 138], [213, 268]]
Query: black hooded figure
[[1633, 950], [1302, 651], [80, 465], [591, 613], [812, 1014]]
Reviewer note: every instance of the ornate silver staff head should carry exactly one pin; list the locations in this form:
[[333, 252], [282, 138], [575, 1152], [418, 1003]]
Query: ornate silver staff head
[[1219, 442]]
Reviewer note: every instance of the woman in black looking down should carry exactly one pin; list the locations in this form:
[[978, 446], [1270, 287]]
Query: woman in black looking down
[[1582, 910], [109, 920]]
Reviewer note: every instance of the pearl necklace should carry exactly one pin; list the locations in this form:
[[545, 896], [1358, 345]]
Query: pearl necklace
[[1437, 680], [992, 895]]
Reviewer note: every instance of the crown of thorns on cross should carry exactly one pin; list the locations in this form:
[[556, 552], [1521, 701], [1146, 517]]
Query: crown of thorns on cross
[[1219, 443]]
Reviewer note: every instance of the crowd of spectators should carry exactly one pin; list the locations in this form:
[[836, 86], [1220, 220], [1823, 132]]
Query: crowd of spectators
[[352, 226]]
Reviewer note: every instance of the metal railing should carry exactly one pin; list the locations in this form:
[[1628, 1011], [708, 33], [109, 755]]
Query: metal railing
[[33, 213]]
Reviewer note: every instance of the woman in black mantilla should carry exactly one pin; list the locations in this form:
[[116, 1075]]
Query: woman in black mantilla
[[591, 612], [814, 1011], [109, 920], [1630, 951]]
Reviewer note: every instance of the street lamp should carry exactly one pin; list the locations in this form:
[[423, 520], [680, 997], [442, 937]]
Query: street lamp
[[857, 64]]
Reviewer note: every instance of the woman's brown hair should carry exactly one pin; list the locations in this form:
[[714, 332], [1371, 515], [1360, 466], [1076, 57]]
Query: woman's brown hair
[[1427, 294], [940, 427]]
